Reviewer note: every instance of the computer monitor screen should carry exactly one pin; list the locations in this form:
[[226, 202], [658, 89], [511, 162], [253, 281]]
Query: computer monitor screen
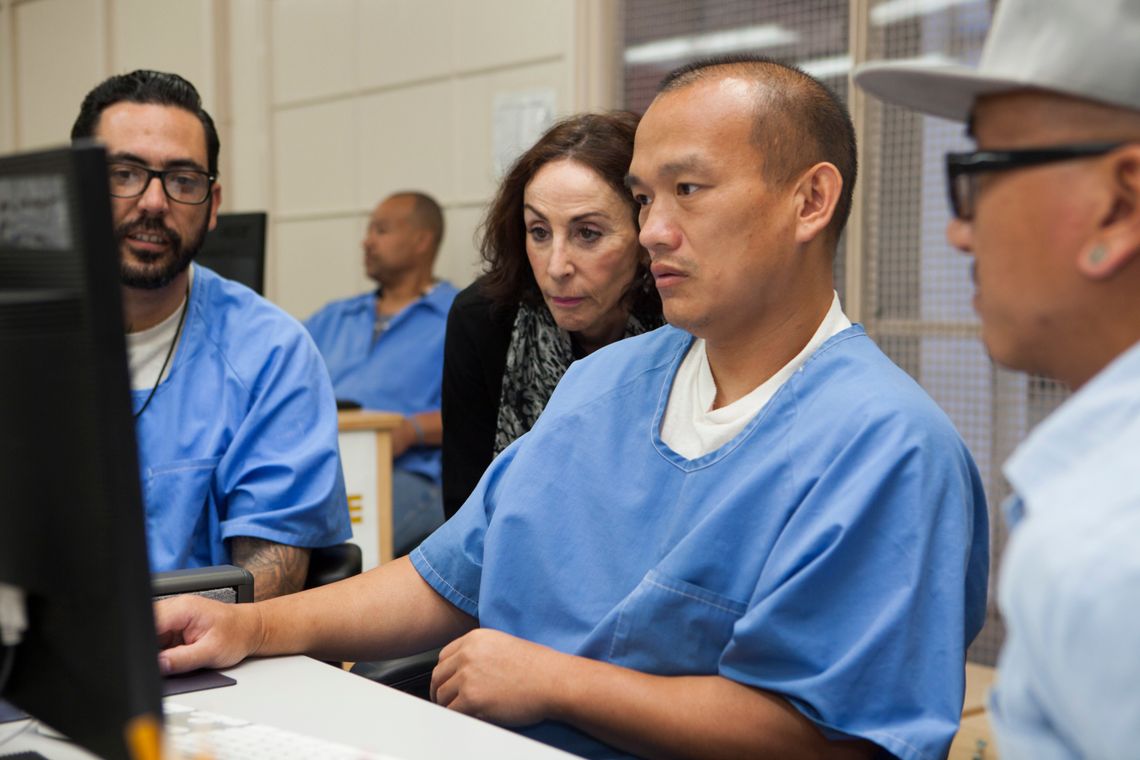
[[235, 249], [71, 517]]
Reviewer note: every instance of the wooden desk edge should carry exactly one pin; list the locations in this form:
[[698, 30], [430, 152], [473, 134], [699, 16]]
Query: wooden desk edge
[[979, 680], [361, 419]]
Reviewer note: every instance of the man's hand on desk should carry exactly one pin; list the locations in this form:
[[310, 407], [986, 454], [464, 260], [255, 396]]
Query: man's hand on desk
[[201, 633], [497, 677]]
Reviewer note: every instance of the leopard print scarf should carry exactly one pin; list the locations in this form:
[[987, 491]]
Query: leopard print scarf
[[538, 356]]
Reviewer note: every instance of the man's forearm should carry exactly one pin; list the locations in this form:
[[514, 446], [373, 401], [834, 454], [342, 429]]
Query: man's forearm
[[686, 716], [277, 568], [514, 682], [431, 423], [423, 429], [387, 612]]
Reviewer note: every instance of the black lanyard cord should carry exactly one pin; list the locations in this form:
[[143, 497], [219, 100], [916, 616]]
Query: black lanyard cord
[[169, 353]]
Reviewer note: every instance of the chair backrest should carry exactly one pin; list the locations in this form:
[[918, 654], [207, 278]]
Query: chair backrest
[[329, 564], [411, 675]]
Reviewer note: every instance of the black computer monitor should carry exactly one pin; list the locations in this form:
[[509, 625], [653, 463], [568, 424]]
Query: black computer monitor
[[71, 516], [235, 249]]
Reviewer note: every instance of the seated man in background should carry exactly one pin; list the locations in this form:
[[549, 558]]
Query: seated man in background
[[234, 414], [384, 351], [1049, 209], [744, 534]]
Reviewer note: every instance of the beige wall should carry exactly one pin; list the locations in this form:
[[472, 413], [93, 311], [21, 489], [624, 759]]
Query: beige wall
[[324, 106], [53, 51]]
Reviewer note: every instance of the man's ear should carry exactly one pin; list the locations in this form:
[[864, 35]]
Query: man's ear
[[425, 242], [816, 196], [215, 203], [1117, 240]]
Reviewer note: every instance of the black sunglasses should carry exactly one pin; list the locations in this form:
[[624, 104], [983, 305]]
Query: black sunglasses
[[962, 168]]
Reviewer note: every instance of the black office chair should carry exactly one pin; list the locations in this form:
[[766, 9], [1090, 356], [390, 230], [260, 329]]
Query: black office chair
[[329, 564], [411, 675]]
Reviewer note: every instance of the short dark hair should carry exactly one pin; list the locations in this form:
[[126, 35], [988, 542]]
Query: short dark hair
[[798, 121], [601, 141], [426, 212], [146, 87]]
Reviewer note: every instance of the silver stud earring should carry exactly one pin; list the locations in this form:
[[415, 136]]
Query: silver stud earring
[[1096, 255]]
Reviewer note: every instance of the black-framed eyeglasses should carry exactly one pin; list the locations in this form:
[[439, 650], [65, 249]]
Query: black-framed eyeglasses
[[188, 186], [962, 169]]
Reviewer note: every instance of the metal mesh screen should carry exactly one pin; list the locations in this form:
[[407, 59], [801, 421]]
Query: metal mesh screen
[[660, 35], [916, 289]]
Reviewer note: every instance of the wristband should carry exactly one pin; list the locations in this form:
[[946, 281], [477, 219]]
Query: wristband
[[419, 430]]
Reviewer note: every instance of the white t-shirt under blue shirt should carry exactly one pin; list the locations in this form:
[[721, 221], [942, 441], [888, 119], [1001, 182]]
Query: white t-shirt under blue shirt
[[147, 350], [693, 428]]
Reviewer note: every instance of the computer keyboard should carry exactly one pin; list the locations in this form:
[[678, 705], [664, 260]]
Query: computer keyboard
[[195, 734]]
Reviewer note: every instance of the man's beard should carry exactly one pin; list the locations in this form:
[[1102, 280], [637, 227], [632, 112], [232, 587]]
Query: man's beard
[[176, 264]]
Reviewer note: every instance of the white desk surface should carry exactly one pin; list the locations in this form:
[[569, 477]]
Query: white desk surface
[[309, 697]]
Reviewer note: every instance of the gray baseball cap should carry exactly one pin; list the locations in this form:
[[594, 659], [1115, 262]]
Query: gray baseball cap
[[1085, 48]]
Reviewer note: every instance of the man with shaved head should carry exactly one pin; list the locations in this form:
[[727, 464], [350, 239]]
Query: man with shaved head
[[384, 351], [1048, 206], [746, 534]]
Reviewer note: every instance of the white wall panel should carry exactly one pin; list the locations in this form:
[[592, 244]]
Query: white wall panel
[[7, 82], [248, 154], [164, 36], [315, 158], [317, 261], [325, 106], [475, 95], [459, 257], [313, 47], [406, 142], [403, 41], [59, 57], [419, 98], [504, 32]]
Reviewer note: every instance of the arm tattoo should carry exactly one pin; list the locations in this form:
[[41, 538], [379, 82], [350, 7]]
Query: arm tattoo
[[277, 569]]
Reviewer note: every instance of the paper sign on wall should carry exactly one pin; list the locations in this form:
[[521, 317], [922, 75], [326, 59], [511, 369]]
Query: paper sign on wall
[[519, 119]]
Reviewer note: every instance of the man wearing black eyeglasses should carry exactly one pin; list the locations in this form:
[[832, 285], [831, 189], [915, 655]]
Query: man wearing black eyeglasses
[[234, 412], [1049, 208]]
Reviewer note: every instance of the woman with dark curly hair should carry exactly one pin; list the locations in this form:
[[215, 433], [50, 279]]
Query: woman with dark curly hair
[[565, 275]]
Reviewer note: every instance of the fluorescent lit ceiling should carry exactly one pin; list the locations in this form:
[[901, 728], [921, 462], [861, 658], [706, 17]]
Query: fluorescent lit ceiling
[[711, 43], [822, 68], [894, 11]]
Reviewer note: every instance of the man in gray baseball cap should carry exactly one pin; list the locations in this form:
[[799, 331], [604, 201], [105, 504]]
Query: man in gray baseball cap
[[1049, 207]]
